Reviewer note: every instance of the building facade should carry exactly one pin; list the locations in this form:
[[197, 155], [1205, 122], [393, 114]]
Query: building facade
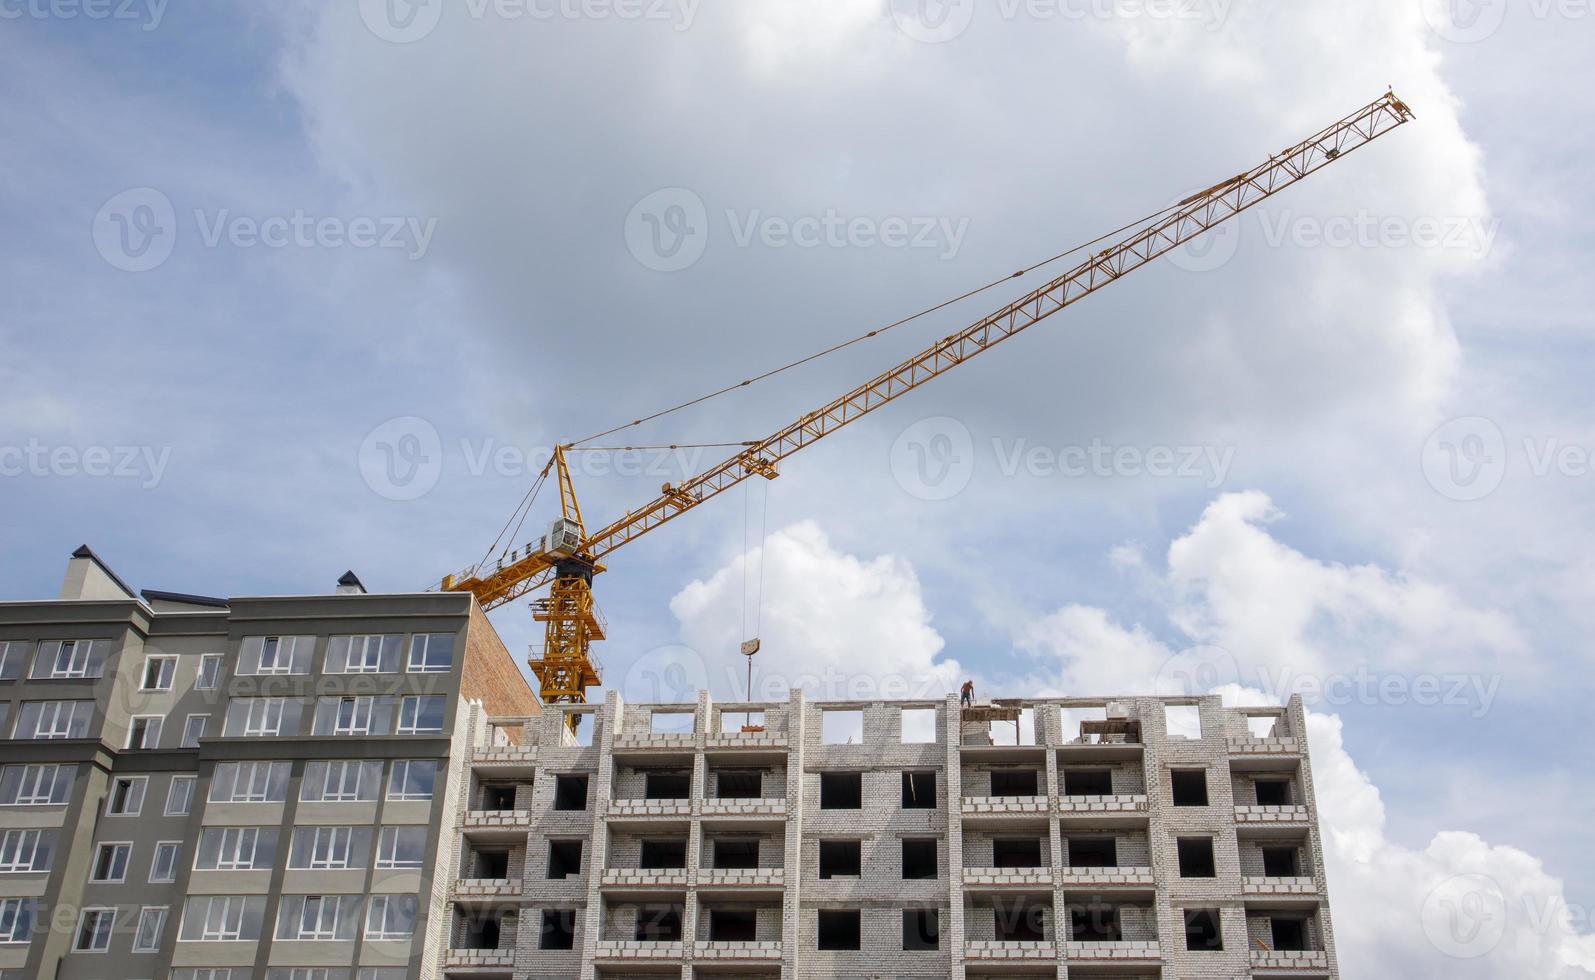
[[363, 787], [241, 789]]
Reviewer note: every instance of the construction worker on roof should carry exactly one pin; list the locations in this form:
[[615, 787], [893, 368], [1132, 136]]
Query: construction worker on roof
[[967, 693]]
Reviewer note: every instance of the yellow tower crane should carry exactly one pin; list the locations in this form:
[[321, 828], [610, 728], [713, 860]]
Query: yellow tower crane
[[569, 556]]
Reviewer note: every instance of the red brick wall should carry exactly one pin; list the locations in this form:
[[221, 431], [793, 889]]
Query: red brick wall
[[490, 674]]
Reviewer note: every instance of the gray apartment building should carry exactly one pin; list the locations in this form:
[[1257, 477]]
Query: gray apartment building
[[362, 787]]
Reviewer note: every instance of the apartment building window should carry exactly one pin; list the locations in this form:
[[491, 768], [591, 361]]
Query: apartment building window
[[1280, 862], [1196, 857], [353, 716], [363, 654], [262, 717], [144, 732], [921, 930], [41, 784], [1273, 792], [838, 929], [413, 779], [341, 781], [840, 858], [159, 672], [919, 858], [55, 719], [16, 920], [318, 918], [180, 796], [1202, 932], [1189, 787], [70, 659], [236, 849], [329, 848], [94, 930], [193, 730], [26, 851], [401, 847], [126, 798], [210, 672], [564, 859], [163, 867], [841, 790], [570, 791], [249, 782], [13, 655], [391, 917], [421, 715], [275, 655], [222, 918], [431, 653], [110, 863], [558, 929], [317, 973], [151, 923], [207, 973]]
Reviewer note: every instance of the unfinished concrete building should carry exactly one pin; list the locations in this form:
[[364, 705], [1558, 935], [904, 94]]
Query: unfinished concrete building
[[1087, 838]]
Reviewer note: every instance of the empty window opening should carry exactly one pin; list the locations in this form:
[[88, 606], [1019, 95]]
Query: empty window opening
[[1183, 721], [482, 933], [1190, 787], [921, 929], [1020, 920], [840, 858], [559, 929], [1273, 792], [736, 853], [841, 790], [658, 924], [1071, 721], [1088, 782], [671, 723], [919, 726], [491, 864], [1013, 782], [564, 858], [1196, 857], [842, 727], [1290, 935], [663, 854], [498, 797], [667, 784], [919, 857], [570, 792], [1264, 727], [1280, 862], [1093, 852], [919, 791], [838, 928], [1016, 852], [1020, 731], [733, 925], [1095, 923], [739, 784], [580, 728], [736, 722], [1202, 934]]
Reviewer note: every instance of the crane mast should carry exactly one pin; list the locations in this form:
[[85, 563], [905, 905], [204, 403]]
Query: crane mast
[[569, 556]]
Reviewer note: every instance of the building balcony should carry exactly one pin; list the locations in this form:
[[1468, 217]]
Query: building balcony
[[1102, 804], [757, 741], [742, 878], [1007, 877], [655, 741], [769, 807], [997, 951], [507, 888], [650, 808], [645, 878], [988, 806], [633, 951], [1136, 951], [1106, 878], [1272, 815], [768, 951], [517, 820], [1261, 887], [472, 962], [1315, 961], [1245, 745]]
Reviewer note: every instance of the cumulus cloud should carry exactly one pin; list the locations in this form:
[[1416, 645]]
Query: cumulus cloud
[[833, 624]]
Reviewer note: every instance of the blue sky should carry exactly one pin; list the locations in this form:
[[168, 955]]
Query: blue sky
[[1419, 307]]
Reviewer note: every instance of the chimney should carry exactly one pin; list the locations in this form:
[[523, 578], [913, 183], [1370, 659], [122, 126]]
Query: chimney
[[350, 584], [87, 577]]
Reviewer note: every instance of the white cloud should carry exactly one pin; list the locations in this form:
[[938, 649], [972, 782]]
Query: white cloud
[[834, 624]]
